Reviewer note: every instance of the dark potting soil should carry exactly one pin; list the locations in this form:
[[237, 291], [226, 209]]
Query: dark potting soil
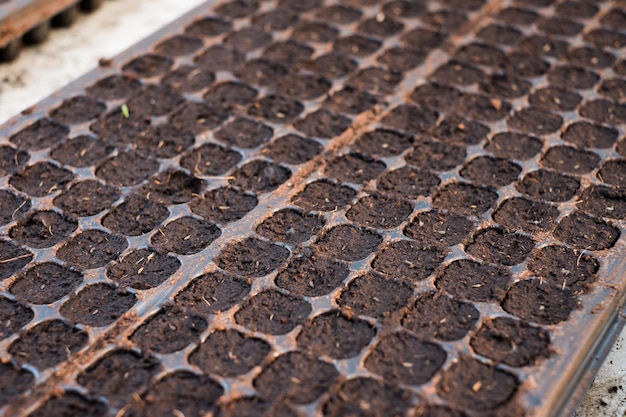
[[511, 145], [212, 293], [331, 65], [98, 305], [408, 260], [382, 142], [143, 269], [491, 171], [435, 155], [379, 211], [41, 179], [12, 258], [135, 216], [312, 275], [39, 135], [92, 249], [224, 205], [411, 119], [570, 160], [548, 185], [147, 66], [13, 315], [539, 302], [185, 236], [323, 124], [77, 110], [13, 381], [519, 213], [564, 268], [42, 229], [170, 330], [603, 111], [71, 403], [290, 226], [586, 233], [82, 151], [189, 79], [464, 199], [603, 201], [252, 257], [272, 312], [12, 207], [408, 182], [58, 281], [375, 295], [256, 406], [172, 187], [127, 169], [473, 281], [11, 159], [495, 245], [114, 87], [340, 242], [48, 343], [210, 159], [292, 149]]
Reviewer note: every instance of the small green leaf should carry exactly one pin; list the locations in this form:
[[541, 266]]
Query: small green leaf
[[125, 111]]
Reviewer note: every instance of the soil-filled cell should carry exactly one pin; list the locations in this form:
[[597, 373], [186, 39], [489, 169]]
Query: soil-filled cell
[[229, 353], [14, 382], [436, 96], [537, 301], [43, 229], [535, 121], [220, 58], [336, 335], [170, 330], [188, 79], [605, 38], [290, 226], [613, 172], [494, 172], [411, 119], [260, 176], [303, 86], [148, 65], [114, 128], [143, 269], [41, 179], [379, 211], [439, 316], [570, 160], [118, 375], [364, 396], [585, 232], [224, 205], [13, 315], [354, 168], [375, 80], [295, 376], [256, 407], [12, 258], [39, 135], [251, 257], [348, 243], [476, 385], [356, 45], [261, 72], [483, 108], [517, 16], [381, 28], [464, 199], [437, 226], [408, 260], [408, 182], [519, 213], [505, 86], [212, 293], [603, 111], [71, 404], [11, 159], [564, 268], [437, 156], [92, 249], [48, 343], [588, 135], [276, 109], [481, 54], [172, 187], [230, 94], [511, 145], [244, 133], [210, 159], [614, 88], [237, 8], [425, 410], [247, 39], [274, 20], [114, 87], [589, 57], [495, 33], [135, 216], [332, 65], [98, 305], [272, 312], [314, 32], [548, 185], [209, 27], [45, 283], [603, 201], [445, 20], [182, 392], [495, 245], [288, 52], [375, 295], [197, 118], [127, 169], [351, 101], [292, 149], [154, 100], [339, 14], [87, 198], [401, 59], [382, 142], [324, 196], [12, 207], [457, 73], [567, 76], [512, 342], [526, 65], [185, 236], [559, 26], [178, 45], [459, 130], [77, 110], [413, 361], [554, 99], [323, 124], [473, 281], [312, 275]]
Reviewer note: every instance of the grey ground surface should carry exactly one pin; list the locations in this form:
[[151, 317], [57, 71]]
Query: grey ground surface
[[69, 53]]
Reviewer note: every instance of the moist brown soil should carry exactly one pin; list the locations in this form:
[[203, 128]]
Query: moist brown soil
[[254, 407], [12, 207], [42, 229], [536, 301], [434, 315], [473, 281], [324, 196], [71, 403], [603, 201], [261, 72], [114, 128], [247, 39], [464, 199], [375, 295], [135, 216], [178, 45], [340, 242], [185, 236], [127, 169], [39, 135], [375, 80], [331, 65], [495, 33], [288, 52], [411, 119], [613, 172], [512, 342], [354, 168], [252, 257], [401, 59], [13, 382], [603, 111], [408, 260], [188, 79], [334, 334], [209, 27], [524, 64], [323, 124], [588, 135], [143, 269], [356, 45], [77, 110], [197, 118], [292, 149], [92, 249], [180, 391], [13, 258], [564, 268], [114, 87], [351, 101], [82, 151], [237, 9], [460, 130], [554, 99], [413, 361], [548, 185], [272, 312], [475, 385], [229, 94], [483, 108], [170, 330], [457, 73], [58, 281], [494, 172], [436, 156], [379, 211], [48, 343], [210, 159], [13, 315], [260, 176], [312, 275], [147, 66], [172, 187], [297, 377], [366, 396], [118, 375], [212, 293], [436, 96], [536, 121], [11, 159], [572, 77], [519, 213], [495, 245], [382, 142], [224, 205], [244, 133], [229, 353], [505, 86], [408, 182], [98, 305], [290, 226], [570, 160], [511, 145], [220, 58], [275, 20], [586, 233], [41, 179]]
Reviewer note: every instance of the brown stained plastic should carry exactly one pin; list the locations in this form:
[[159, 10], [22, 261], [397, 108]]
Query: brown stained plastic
[[376, 210], [29, 21]]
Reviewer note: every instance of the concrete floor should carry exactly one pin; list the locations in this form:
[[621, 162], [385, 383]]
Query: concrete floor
[[118, 24]]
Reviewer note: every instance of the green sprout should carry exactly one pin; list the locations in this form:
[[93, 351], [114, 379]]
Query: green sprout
[[125, 111]]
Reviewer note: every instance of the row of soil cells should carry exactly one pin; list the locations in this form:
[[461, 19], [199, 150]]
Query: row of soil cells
[[365, 212]]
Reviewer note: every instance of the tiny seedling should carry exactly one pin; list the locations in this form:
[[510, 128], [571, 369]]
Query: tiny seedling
[[125, 111]]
